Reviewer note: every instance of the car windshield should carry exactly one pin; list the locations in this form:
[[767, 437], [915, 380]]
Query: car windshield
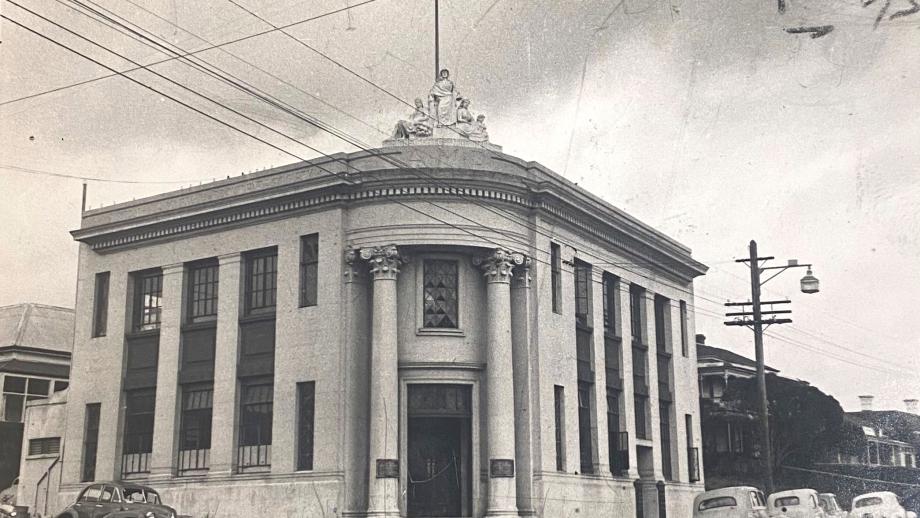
[[722, 501], [139, 495], [828, 503], [866, 502], [786, 501]]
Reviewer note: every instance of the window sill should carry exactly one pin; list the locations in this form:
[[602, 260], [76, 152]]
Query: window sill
[[189, 473], [42, 456], [439, 331], [254, 469]]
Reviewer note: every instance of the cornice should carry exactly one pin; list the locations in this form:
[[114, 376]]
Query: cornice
[[551, 197]]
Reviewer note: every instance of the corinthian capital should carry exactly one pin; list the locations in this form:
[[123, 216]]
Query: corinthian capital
[[384, 261], [352, 269], [522, 279], [498, 265]]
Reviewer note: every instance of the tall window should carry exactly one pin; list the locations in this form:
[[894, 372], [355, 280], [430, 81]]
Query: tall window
[[635, 314], [665, 396], [584, 344], [306, 399], [90, 442], [148, 300], [556, 276], [195, 426], [684, 338], [255, 436], [617, 446], [664, 409], [440, 293], [138, 435], [101, 304], [662, 324], [559, 406], [202, 291], [309, 269], [261, 281], [693, 453]]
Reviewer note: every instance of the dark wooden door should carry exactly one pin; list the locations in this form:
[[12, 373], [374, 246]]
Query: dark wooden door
[[434, 455]]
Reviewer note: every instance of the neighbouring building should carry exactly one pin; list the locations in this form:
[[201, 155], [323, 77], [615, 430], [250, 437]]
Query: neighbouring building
[[432, 328], [35, 348], [892, 436], [730, 445]]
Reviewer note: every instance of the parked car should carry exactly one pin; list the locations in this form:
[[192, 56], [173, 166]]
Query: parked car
[[107, 498], [828, 503], [730, 502], [795, 503], [13, 511], [878, 505]]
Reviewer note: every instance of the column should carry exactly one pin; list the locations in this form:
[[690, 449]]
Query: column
[[357, 339], [520, 338], [502, 498], [165, 423], [223, 421], [383, 486]]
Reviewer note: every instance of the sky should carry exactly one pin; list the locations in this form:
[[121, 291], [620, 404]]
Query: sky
[[705, 119]]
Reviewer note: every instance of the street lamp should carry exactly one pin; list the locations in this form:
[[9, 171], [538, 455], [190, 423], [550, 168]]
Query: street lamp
[[756, 321]]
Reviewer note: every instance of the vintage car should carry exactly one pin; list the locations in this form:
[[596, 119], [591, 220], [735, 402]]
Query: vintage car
[[13, 511], [105, 498], [878, 505], [730, 502], [795, 503], [828, 503]]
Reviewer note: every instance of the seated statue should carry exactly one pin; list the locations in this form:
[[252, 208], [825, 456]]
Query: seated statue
[[418, 124], [478, 132], [464, 118]]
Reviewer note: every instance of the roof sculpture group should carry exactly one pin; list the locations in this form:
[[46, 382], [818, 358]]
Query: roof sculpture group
[[447, 115]]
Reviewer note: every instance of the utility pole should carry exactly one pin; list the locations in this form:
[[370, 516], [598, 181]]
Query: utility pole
[[809, 284]]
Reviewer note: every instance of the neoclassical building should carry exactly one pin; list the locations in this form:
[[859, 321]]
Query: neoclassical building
[[432, 328]]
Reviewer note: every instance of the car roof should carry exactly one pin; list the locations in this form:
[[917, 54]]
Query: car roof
[[725, 491], [877, 493], [793, 492], [122, 485]]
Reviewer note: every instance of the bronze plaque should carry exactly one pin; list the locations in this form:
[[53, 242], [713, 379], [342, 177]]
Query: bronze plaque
[[499, 468], [387, 468]]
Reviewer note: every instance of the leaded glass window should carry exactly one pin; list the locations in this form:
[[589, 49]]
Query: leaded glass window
[[440, 294]]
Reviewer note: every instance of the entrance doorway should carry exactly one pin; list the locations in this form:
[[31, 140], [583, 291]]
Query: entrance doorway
[[438, 451]]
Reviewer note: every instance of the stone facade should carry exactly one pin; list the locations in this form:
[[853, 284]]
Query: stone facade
[[514, 237]]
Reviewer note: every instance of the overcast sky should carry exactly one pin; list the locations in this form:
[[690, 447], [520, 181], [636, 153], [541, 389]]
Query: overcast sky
[[703, 118]]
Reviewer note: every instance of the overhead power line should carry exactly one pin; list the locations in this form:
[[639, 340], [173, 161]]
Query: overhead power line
[[91, 178], [237, 40]]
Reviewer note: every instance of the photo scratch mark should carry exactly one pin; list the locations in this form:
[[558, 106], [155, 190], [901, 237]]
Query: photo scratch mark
[[815, 31]]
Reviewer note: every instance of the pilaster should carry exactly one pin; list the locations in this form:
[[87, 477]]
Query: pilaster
[[629, 401], [223, 428], [165, 423]]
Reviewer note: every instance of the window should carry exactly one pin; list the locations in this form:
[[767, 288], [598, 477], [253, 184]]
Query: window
[[664, 415], [715, 503], [641, 416], [255, 436], [90, 442], [582, 294], [138, 435], [559, 402], [556, 276], [45, 446], [684, 341], [91, 494], [611, 289], [617, 441], [662, 324], [17, 390], [60, 385], [440, 294], [309, 269], [693, 457], [148, 300], [635, 314], [585, 439], [195, 426], [202, 291], [101, 304], [261, 281], [306, 393]]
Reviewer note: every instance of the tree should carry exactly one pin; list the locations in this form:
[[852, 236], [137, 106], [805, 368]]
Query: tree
[[806, 425]]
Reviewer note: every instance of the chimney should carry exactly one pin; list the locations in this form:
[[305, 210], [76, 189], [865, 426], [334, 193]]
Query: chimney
[[866, 402], [912, 406], [701, 339]]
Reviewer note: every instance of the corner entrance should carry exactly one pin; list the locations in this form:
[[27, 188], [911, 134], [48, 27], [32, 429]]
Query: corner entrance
[[438, 451]]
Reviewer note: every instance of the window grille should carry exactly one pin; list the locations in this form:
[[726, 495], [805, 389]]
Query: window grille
[[148, 300], [261, 281], [441, 297], [202, 291], [45, 446], [255, 435], [195, 428], [138, 435]]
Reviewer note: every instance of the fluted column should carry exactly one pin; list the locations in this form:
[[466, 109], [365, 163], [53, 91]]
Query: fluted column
[[497, 268], [383, 486]]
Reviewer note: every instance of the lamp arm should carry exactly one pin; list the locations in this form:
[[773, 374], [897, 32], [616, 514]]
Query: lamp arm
[[781, 270]]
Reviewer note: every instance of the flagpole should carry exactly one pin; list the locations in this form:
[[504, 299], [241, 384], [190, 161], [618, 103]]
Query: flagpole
[[436, 64]]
